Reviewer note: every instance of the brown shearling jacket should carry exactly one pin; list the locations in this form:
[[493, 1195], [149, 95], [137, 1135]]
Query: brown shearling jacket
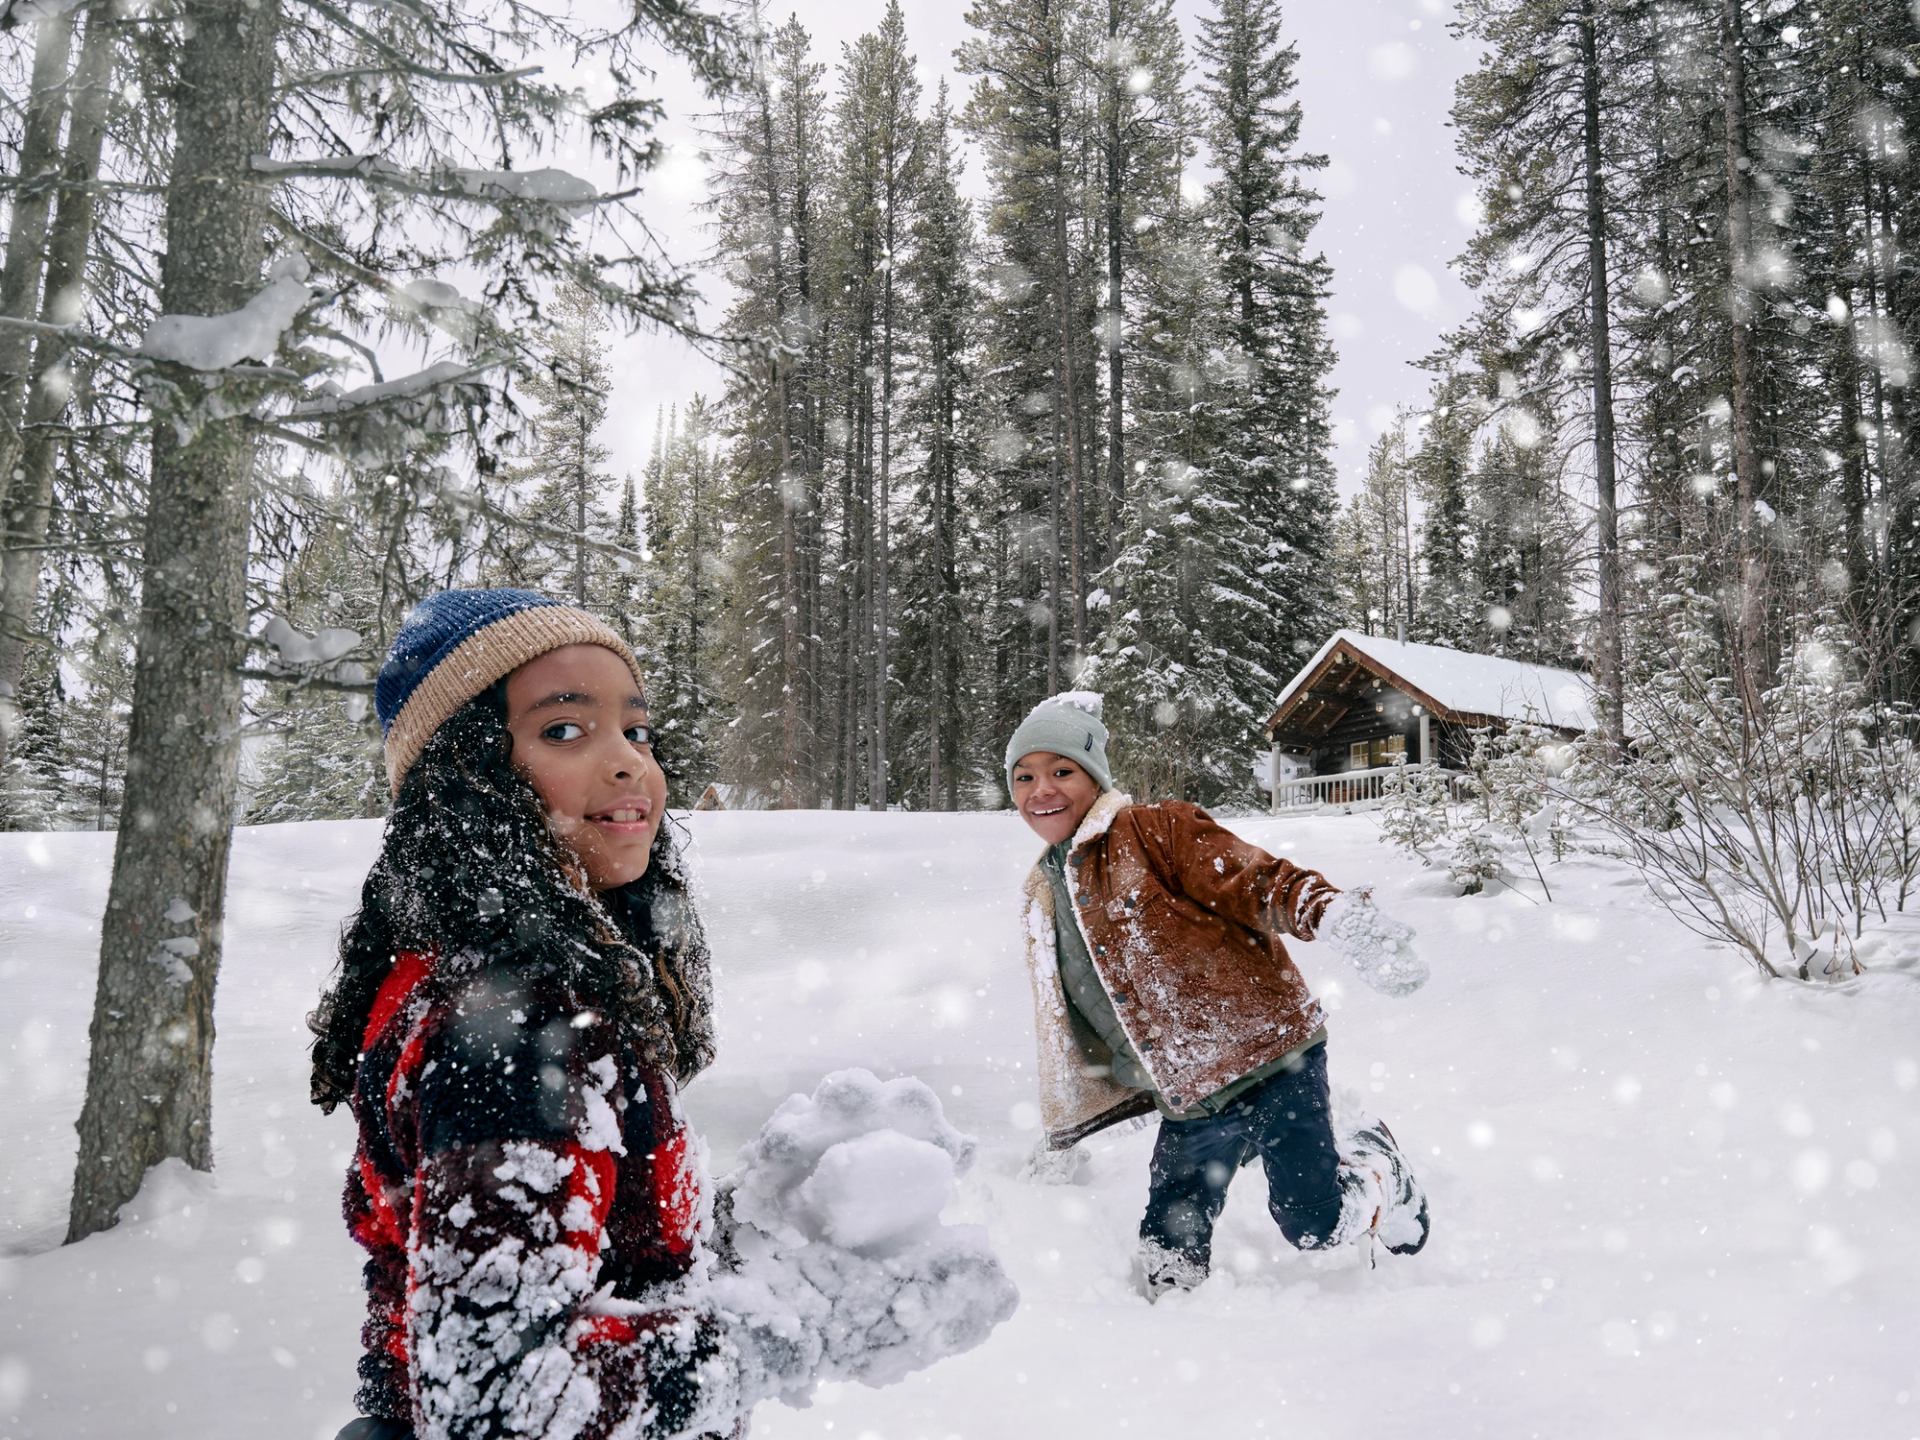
[[1183, 920]]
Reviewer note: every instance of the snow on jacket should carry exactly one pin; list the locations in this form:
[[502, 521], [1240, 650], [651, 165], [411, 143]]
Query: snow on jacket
[[527, 1192], [1183, 920]]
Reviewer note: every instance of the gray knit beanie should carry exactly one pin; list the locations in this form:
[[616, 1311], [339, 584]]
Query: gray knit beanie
[[1066, 724]]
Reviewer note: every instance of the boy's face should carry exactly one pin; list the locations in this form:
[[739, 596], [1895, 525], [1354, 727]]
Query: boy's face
[[1052, 794], [579, 727]]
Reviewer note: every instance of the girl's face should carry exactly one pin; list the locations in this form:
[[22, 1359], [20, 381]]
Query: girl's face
[[1053, 794], [579, 727]]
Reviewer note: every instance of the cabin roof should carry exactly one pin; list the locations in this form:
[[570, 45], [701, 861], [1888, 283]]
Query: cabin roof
[[1455, 685]]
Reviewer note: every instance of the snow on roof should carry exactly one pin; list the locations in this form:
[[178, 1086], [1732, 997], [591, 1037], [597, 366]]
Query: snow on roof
[[1468, 683]]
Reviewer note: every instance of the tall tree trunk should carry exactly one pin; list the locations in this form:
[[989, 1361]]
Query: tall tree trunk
[[1751, 615], [28, 500], [882, 579], [1665, 422], [20, 271], [696, 545], [1116, 298], [1607, 658], [1069, 408], [848, 720], [581, 473], [785, 480], [1054, 600], [149, 1071], [938, 639]]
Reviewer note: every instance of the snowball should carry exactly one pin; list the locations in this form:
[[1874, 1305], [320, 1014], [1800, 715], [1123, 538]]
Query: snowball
[[776, 1164], [840, 1266], [877, 1191]]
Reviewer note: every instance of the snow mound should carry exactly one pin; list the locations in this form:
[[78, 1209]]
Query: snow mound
[[880, 1191]]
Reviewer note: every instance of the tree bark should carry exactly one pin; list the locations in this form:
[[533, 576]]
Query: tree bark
[[1069, 407], [785, 481], [882, 578], [149, 1073], [27, 230], [1116, 295], [24, 518], [1750, 641], [1607, 657]]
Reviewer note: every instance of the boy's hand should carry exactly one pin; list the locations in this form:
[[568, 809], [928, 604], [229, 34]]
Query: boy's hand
[[1379, 947]]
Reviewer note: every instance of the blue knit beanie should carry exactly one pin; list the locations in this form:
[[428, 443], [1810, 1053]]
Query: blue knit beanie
[[457, 643], [1066, 724]]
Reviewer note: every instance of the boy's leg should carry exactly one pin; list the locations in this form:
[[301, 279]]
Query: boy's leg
[[1193, 1163], [1293, 1131]]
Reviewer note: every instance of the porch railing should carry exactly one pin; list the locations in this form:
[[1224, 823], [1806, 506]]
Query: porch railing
[[1351, 790]]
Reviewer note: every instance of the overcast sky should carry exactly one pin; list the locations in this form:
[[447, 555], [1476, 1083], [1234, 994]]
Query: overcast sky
[[1376, 81]]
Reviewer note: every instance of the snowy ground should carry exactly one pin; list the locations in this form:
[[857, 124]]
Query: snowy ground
[[1668, 1200]]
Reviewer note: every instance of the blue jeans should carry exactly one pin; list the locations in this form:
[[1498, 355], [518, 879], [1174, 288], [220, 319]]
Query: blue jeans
[[1284, 1120]]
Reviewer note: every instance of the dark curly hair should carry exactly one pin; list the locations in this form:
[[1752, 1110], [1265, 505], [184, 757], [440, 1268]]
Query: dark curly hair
[[469, 868]]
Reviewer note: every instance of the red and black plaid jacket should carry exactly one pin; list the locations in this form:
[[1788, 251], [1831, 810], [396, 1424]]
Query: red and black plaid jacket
[[522, 1185]]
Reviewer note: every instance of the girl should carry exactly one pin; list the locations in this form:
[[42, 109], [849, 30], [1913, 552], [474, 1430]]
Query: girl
[[1161, 983], [518, 1001]]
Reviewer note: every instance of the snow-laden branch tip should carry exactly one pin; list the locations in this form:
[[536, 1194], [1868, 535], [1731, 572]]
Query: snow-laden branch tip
[[438, 376], [442, 306], [217, 342], [300, 651], [31, 12], [548, 185]]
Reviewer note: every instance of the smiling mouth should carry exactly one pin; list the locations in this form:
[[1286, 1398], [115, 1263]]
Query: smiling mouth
[[1043, 814], [625, 815]]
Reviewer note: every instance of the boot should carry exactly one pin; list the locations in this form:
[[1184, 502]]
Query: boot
[[1158, 1270], [1400, 1204]]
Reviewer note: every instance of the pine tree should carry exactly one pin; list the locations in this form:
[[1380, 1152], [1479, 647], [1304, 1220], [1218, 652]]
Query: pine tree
[[1028, 117], [1275, 440], [1451, 612], [1526, 556], [323, 760], [565, 473], [685, 536], [770, 148], [1142, 142], [1385, 513], [938, 646], [1541, 124]]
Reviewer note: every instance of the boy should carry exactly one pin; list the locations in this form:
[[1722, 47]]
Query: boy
[[1161, 983]]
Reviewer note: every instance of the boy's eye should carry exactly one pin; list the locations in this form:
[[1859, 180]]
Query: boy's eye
[[639, 734], [562, 730]]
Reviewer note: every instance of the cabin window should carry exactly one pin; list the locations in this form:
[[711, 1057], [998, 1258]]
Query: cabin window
[[1370, 754]]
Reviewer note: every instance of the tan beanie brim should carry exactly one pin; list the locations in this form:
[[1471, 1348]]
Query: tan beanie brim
[[482, 658]]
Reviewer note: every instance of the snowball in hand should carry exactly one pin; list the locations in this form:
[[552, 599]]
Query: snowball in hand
[[877, 1191], [882, 1192], [1379, 947], [841, 1268]]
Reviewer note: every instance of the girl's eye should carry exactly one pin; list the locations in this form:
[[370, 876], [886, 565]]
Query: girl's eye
[[639, 734], [562, 730]]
